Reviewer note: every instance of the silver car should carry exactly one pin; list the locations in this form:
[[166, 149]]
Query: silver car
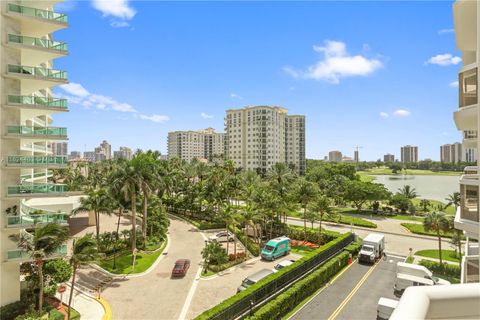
[[222, 236]]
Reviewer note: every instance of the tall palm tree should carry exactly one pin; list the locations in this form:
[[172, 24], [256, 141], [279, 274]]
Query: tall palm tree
[[97, 201], [43, 244], [304, 193], [408, 192], [424, 203], [454, 199], [322, 206], [436, 221], [84, 251]]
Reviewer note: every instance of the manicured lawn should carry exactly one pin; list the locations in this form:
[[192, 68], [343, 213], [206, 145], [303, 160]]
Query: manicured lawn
[[388, 171], [208, 274], [365, 176], [343, 219], [124, 261], [407, 217], [301, 250], [433, 205], [419, 229], [54, 314], [449, 255]]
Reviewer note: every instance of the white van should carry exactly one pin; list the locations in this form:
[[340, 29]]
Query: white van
[[385, 308], [403, 281], [419, 271]]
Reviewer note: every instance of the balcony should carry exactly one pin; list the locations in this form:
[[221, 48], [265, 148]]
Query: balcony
[[37, 161], [470, 139], [467, 215], [38, 72], [38, 13], [21, 254], [35, 190], [467, 86], [35, 219], [38, 43], [37, 132], [34, 102]]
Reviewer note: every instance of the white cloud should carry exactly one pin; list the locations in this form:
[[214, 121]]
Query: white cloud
[[453, 84], [383, 114], [75, 88], [445, 59], [119, 24], [235, 96], [206, 115], [402, 113], [335, 64], [115, 8], [444, 31], [158, 118]]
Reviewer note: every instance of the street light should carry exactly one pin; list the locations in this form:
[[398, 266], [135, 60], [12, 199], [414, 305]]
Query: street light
[[205, 260]]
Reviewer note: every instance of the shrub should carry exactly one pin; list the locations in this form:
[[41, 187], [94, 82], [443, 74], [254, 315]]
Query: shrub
[[289, 299], [353, 248], [12, 310], [240, 255], [449, 270], [248, 243], [297, 233], [223, 266]]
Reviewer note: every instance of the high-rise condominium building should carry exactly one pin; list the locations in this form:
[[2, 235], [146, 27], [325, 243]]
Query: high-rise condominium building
[[388, 158], [60, 148], [458, 301], [27, 52], [202, 145], [356, 156], [123, 153], [103, 151], [257, 137], [408, 154], [75, 155], [335, 156], [452, 153], [89, 155]]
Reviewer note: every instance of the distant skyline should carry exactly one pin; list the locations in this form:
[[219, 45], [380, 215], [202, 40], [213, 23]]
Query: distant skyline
[[139, 69]]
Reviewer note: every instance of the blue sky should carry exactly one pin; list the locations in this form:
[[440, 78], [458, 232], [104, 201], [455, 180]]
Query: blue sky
[[375, 74]]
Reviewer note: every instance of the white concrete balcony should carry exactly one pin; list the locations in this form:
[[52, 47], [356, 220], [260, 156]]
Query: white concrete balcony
[[42, 133], [470, 269], [470, 139], [36, 162], [37, 103], [35, 51], [35, 78], [20, 255], [464, 17], [467, 215]]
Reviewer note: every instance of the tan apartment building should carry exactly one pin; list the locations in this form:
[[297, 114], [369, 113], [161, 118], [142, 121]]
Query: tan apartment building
[[408, 154], [257, 137], [388, 157], [202, 145], [452, 153], [335, 156], [27, 107], [123, 153]]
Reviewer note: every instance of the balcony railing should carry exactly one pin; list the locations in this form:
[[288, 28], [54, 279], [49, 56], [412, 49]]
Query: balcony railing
[[28, 161], [36, 175], [38, 101], [37, 131], [38, 13], [470, 134], [15, 221], [468, 83], [38, 72], [41, 188], [21, 254], [27, 210], [37, 42]]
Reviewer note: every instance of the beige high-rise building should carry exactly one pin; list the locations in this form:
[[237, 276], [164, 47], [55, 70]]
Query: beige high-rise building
[[103, 151], [257, 137], [408, 154], [388, 158], [202, 145], [27, 52], [123, 153], [335, 156], [452, 153]]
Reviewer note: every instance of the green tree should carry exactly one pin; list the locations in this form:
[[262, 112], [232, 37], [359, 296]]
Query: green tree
[[213, 253], [437, 222], [408, 192], [97, 201], [401, 202], [322, 206], [425, 204], [84, 251], [454, 199], [359, 192], [304, 193]]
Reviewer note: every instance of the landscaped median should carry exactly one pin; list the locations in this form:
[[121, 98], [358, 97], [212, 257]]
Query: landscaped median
[[445, 271], [419, 229], [235, 305], [449, 255], [340, 218]]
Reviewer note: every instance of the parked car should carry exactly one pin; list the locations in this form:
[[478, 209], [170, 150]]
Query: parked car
[[254, 278], [180, 268], [223, 236], [276, 248], [282, 264]]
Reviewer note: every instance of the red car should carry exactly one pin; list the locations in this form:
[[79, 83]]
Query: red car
[[180, 268]]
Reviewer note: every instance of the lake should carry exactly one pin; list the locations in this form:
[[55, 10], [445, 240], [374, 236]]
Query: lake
[[427, 187]]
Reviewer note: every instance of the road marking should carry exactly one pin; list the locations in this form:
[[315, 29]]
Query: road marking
[[352, 293]]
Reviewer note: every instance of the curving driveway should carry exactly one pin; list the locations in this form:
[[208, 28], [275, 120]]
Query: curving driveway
[[155, 295]]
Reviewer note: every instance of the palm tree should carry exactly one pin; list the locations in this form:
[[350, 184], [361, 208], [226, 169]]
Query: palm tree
[[97, 201], [321, 205], [305, 192], [436, 221], [43, 244], [251, 216], [454, 199], [424, 203], [408, 192], [84, 251], [148, 182]]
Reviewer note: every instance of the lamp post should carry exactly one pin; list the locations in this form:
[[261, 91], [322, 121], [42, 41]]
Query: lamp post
[[205, 260]]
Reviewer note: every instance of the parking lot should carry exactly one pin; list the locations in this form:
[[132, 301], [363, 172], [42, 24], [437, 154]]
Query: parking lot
[[354, 294]]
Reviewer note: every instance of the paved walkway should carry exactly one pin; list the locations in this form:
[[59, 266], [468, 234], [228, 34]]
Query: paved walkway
[[89, 308], [156, 295]]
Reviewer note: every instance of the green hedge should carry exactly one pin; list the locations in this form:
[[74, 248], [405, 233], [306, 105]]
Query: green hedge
[[200, 224], [297, 233], [353, 248], [419, 229], [289, 299], [449, 270], [251, 246], [232, 300], [12, 310]]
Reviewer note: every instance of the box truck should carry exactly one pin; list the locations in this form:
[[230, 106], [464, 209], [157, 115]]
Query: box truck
[[372, 248]]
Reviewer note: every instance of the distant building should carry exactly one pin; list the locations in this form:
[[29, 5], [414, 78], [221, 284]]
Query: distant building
[[348, 160], [60, 148], [75, 155], [335, 156], [356, 157], [123, 153], [389, 158], [103, 151], [451, 153], [409, 154], [203, 144], [89, 155]]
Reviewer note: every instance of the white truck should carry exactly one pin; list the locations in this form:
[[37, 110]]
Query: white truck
[[372, 248], [385, 308], [419, 271]]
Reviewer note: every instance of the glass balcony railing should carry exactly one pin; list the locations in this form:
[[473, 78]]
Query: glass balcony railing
[[38, 72], [29, 220], [37, 42], [37, 131], [41, 188], [38, 13], [38, 101], [36, 175], [21, 254], [29, 161], [27, 210]]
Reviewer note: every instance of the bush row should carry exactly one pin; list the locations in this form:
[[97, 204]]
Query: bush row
[[202, 225], [220, 267], [353, 248], [248, 243], [449, 270], [298, 233], [419, 229], [289, 299], [258, 286]]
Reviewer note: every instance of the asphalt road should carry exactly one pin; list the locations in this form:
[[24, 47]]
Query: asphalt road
[[348, 299]]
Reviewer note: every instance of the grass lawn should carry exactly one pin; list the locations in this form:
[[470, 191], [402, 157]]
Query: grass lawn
[[54, 314], [433, 205], [419, 229], [124, 261], [365, 177], [208, 274], [340, 219], [407, 217], [409, 259], [301, 250], [388, 171], [449, 255]]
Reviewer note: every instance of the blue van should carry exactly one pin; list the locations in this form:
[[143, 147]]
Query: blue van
[[276, 248]]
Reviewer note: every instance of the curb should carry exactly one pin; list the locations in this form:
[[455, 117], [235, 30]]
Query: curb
[[223, 272], [106, 307]]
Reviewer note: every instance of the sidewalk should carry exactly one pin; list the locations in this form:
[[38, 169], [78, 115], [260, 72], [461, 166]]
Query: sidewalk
[[89, 308], [418, 258]]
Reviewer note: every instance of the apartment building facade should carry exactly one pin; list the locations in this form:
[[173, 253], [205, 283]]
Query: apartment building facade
[[60, 148], [203, 145], [388, 158], [257, 137], [408, 154], [335, 156], [28, 105], [123, 153], [452, 153]]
